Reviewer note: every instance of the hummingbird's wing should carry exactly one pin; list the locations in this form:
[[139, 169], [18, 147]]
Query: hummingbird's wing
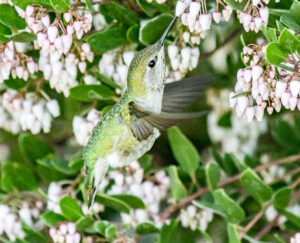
[[180, 94], [177, 96]]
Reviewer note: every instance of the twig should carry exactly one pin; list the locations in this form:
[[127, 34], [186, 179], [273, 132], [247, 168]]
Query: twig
[[164, 215], [224, 43]]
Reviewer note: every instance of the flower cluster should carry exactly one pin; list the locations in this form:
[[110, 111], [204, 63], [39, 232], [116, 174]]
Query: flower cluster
[[241, 137], [255, 15], [295, 238], [195, 218], [10, 222], [66, 232], [30, 113], [152, 191], [262, 88], [58, 61], [83, 128], [196, 17], [15, 63], [181, 61], [115, 64]]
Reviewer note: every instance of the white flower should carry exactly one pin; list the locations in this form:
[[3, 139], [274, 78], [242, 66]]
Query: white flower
[[217, 16], [194, 8], [180, 8], [53, 108], [205, 21]]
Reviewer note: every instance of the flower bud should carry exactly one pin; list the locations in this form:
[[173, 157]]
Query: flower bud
[[205, 21], [293, 102], [217, 17], [67, 42], [295, 88], [53, 108], [194, 8], [256, 72], [29, 10], [264, 14], [172, 51], [250, 112], [280, 88], [180, 8], [46, 20], [52, 32], [67, 17], [259, 113]]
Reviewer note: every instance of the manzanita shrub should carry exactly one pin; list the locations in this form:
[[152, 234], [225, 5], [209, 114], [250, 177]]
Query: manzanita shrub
[[233, 176]]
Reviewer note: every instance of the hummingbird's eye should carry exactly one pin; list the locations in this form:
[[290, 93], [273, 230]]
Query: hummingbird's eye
[[151, 64]]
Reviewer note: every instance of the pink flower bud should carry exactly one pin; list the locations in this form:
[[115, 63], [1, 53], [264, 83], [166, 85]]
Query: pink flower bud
[[77, 25], [40, 38], [82, 66], [46, 20], [35, 27], [29, 11], [180, 8], [264, 14], [205, 21], [70, 29], [293, 103], [285, 99], [295, 88], [58, 43], [86, 47], [256, 72], [258, 22], [67, 42], [19, 71], [280, 88], [217, 17], [67, 17], [259, 113], [194, 8], [227, 13], [31, 66], [247, 75], [270, 110], [52, 32], [90, 56], [79, 33]]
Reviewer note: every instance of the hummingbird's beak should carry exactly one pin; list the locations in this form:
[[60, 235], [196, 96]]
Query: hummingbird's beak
[[164, 36]]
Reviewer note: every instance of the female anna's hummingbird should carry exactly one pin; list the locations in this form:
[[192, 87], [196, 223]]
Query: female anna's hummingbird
[[130, 128]]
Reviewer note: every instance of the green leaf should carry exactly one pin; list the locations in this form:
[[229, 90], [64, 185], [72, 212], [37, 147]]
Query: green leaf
[[229, 164], [33, 148], [288, 42], [106, 80], [146, 162], [84, 222], [213, 175], [89, 5], [85, 92], [151, 30], [233, 235], [269, 33], [168, 232], [4, 30], [149, 8], [113, 203], [10, 17], [209, 205], [247, 92], [24, 3], [274, 54], [178, 190], [236, 5], [108, 39], [70, 208], [260, 191], [15, 83], [184, 151], [282, 132], [23, 37], [131, 200], [282, 198], [295, 219], [132, 33], [33, 236], [106, 229], [291, 19], [146, 228], [51, 219], [60, 5], [119, 12], [17, 176], [58, 164], [76, 164], [232, 211]]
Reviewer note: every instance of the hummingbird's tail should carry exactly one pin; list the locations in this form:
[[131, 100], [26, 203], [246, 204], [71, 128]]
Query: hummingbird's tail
[[98, 174]]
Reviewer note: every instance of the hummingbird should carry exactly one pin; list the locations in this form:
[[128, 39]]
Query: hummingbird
[[129, 129]]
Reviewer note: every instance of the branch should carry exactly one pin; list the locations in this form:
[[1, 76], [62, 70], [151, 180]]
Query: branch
[[171, 209], [224, 43]]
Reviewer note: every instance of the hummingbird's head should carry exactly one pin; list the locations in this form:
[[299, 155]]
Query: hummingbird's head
[[147, 69]]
